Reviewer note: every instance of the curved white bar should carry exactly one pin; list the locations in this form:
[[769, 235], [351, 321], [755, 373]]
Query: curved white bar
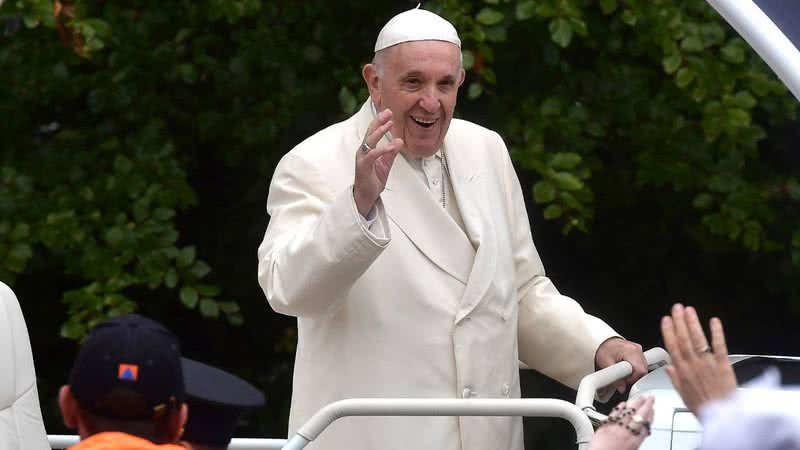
[[765, 37], [445, 407], [256, 444]]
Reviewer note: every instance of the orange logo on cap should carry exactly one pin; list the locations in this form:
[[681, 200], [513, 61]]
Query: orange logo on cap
[[128, 372]]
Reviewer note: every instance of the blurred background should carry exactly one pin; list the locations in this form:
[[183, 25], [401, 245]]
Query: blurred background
[[657, 152]]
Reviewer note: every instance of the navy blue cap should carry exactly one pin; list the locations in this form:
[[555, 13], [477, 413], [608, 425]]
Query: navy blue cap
[[128, 368], [216, 400]]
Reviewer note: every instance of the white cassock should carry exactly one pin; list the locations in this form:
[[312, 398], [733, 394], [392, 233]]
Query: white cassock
[[414, 305]]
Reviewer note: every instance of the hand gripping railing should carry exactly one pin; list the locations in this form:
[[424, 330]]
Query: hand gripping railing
[[656, 357], [527, 407]]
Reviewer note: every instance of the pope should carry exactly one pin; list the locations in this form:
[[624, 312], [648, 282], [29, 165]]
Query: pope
[[400, 241]]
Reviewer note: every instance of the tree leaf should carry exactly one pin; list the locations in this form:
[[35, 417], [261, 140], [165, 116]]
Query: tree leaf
[[629, 18], [209, 308], [551, 106], [475, 90], [186, 256], [228, 307], [525, 10], [684, 77], [608, 6], [347, 101], [553, 212], [468, 59], [170, 278], [702, 201], [567, 181], [207, 290], [189, 297], [496, 34], [200, 269], [743, 99], [235, 319], [544, 192], [738, 118], [489, 16], [672, 62], [692, 44], [561, 31], [733, 53], [565, 160]]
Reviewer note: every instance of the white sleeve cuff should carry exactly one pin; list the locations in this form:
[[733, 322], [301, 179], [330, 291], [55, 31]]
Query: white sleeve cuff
[[375, 225]]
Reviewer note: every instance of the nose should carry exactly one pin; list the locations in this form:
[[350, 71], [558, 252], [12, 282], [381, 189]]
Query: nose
[[430, 101]]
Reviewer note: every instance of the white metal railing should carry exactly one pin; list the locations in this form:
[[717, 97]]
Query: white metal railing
[[528, 407], [581, 414]]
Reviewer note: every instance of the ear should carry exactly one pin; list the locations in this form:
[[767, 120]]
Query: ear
[[461, 77], [370, 74], [70, 410], [176, 423]]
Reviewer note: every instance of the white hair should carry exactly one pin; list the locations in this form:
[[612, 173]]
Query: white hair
[[379, 60]]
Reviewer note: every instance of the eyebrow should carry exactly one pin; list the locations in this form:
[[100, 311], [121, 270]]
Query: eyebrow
[[417, 73]]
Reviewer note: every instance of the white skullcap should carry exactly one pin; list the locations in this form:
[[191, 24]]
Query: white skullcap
[[416, 25]]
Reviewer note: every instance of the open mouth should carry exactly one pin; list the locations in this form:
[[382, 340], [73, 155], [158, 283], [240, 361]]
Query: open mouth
[[424, 122]]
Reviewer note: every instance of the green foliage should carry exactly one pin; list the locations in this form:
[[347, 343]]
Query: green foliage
[[653, 93], [102, 127]]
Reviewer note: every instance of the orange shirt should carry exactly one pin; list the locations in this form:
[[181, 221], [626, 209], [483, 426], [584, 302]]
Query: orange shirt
[[113, 440]]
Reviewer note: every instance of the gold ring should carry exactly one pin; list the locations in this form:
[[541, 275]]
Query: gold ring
[[706, 349]]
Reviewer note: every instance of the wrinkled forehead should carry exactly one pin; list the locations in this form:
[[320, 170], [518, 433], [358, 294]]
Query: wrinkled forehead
[[437, 58]]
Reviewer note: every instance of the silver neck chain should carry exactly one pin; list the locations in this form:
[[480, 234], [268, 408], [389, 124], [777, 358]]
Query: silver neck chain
[[443, 161]]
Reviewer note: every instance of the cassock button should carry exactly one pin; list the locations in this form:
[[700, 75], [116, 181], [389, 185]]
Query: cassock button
[[465, 393], [505, 315], [506, 389]]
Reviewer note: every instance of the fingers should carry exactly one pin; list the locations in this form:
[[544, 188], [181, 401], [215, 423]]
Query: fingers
[[388, 156], [616, 413], [696, 334], [390, 150], [643, 418], [635, 404], [378, 128], [638, 363], [718, 339], [682, 331], [670, 339], [646, 410]]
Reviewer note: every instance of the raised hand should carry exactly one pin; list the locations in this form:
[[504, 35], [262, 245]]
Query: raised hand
[[700, 372], [373, 162]]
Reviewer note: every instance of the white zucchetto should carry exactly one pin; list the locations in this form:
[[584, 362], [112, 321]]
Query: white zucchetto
[[416, 25]]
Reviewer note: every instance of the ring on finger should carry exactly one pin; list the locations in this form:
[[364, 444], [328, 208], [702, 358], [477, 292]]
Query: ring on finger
[[365, 148], [706, 349]]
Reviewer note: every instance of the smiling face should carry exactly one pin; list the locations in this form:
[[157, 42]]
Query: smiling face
[[418, 81]]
